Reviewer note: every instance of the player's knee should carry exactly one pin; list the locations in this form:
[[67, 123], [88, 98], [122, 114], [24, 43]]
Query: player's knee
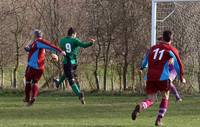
[[35, 82], [165, 95], [71, 82], [28, 82]]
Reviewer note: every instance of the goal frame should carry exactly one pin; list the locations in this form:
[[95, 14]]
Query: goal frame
[[154, 16]]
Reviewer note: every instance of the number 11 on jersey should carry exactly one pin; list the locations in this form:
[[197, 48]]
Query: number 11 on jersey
[[158, 52]]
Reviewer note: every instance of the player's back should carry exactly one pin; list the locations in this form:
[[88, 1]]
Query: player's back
[[69, 45], [158, 62]]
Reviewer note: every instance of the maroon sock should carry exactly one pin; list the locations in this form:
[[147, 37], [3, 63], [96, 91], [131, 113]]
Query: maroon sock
[[35, 91], [147, 103], [163, 108], [27, 91]]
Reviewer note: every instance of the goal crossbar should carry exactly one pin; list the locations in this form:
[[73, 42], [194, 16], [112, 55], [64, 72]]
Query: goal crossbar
[[154, 16]]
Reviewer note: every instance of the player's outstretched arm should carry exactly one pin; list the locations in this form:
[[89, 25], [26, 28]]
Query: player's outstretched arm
[[41, 43], [85, 44]]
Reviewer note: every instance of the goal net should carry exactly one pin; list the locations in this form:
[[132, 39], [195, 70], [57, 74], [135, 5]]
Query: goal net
[[183, 18]]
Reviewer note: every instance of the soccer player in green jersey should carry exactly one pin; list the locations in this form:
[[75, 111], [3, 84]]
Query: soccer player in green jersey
[[70, 45]]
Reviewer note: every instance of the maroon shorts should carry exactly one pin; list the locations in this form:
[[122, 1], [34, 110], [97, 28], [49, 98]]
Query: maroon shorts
[[33, 75], [155, 86]]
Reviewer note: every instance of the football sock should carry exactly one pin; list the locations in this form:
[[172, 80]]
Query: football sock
[[174, 91], [76, 90], [35, 90], [27, 91], [78, 86], [163, 109], [147, 103]]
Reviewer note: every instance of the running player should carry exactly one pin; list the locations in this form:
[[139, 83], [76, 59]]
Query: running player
[[36, 66], [70, 45], [158, 76], [173, 75]]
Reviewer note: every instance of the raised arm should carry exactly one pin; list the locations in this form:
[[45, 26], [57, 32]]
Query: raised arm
[[83, 44], [41, 43]]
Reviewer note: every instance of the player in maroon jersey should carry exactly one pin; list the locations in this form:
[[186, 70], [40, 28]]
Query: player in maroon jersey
[[36, 65], [158, 75], [173, 75]]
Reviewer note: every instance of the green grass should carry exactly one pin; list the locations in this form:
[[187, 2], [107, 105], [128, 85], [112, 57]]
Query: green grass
[[100, 111]]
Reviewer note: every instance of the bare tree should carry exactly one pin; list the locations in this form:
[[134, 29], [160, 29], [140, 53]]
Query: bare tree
[[20, 22]]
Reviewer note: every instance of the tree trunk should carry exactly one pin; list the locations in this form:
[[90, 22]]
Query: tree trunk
[[112, 77], [125, 73], [125, 66], [15, 78], [11, 78], [16, 62], [120, 77], [2, 78], [106, 62], [199, 79], [133, 75], [105, 75], [95, 73], [96, 79], [199, 70]]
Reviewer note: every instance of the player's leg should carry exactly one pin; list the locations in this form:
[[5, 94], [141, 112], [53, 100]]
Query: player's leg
[[35, 86], [162, 108], [147, 103], [164, 88], [75, 75], [27, 91], [59, 81], [173, 89], [68, 73], [175, 92]]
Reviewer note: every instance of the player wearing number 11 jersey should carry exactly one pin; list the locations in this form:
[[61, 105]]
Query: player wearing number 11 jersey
[[70, 45], [158, 75]]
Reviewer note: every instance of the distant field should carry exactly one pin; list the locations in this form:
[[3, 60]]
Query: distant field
[[100, 111]]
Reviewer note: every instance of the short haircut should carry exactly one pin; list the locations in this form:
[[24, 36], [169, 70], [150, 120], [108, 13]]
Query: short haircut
[[167, 35], [70, 31], [37, 33]]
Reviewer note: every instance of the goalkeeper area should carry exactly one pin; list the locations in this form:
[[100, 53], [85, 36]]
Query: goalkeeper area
[[100, 111], [180, 16], [183, 18]]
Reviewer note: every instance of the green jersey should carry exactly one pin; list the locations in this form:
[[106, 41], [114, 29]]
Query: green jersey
[[70, 46]]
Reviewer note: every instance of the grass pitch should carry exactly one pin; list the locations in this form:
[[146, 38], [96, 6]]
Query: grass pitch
[[100, 111]]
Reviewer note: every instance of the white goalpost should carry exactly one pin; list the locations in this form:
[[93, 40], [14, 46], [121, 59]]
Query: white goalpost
[[154, 16]]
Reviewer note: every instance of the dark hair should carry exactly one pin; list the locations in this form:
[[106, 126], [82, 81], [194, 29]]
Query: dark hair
[[70, 31], [167, 35]]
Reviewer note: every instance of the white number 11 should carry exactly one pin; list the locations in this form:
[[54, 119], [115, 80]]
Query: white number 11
[[160, 53]]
